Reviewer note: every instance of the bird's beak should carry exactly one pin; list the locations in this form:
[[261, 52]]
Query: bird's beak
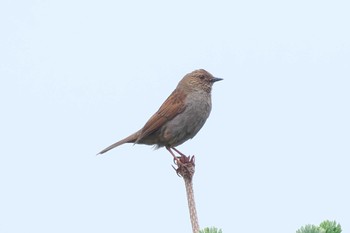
[[213, 80]]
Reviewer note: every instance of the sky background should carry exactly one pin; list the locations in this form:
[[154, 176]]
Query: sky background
[[76, 76]]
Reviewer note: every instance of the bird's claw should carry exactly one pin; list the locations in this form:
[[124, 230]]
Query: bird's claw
[[183, 164]]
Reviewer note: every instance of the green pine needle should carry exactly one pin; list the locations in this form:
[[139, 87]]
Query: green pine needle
[[331, 226], [311, 229], [210, 230], [325, 227]]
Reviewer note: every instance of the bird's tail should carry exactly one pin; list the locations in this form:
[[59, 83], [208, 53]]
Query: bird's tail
[[130, 139]]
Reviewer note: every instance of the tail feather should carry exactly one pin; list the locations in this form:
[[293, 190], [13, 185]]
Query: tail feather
[[131, 138]]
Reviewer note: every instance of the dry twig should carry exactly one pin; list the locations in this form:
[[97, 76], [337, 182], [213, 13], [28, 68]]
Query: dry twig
[[185, 169]]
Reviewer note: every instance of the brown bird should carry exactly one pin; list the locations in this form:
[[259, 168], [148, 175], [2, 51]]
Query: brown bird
[[180, 117]]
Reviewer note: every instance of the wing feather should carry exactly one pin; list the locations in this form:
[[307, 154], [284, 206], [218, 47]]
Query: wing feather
[[172, 106]]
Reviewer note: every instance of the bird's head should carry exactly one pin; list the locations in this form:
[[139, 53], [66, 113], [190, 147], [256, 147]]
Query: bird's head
[[198, 80]]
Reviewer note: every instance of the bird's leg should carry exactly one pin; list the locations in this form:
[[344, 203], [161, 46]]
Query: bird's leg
[[178, 152], [183, 159], [172, 153]]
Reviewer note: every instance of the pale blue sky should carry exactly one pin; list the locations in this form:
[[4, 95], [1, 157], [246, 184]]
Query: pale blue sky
[[77, 76]]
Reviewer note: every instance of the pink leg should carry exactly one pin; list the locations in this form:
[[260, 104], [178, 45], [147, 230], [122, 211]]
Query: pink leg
[[178, 151], [172, 153]]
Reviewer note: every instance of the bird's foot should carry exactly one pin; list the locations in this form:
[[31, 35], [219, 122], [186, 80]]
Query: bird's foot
[[185, 166]]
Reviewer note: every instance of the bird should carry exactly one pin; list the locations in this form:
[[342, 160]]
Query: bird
[[180, 117]]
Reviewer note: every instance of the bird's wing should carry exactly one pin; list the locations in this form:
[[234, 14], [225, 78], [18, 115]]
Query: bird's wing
[[172, 106]]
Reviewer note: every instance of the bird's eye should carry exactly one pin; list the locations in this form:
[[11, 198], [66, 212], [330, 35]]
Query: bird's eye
[[201, 76]]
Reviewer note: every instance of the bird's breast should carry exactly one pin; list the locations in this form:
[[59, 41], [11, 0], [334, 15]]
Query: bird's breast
[[187, 124]]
